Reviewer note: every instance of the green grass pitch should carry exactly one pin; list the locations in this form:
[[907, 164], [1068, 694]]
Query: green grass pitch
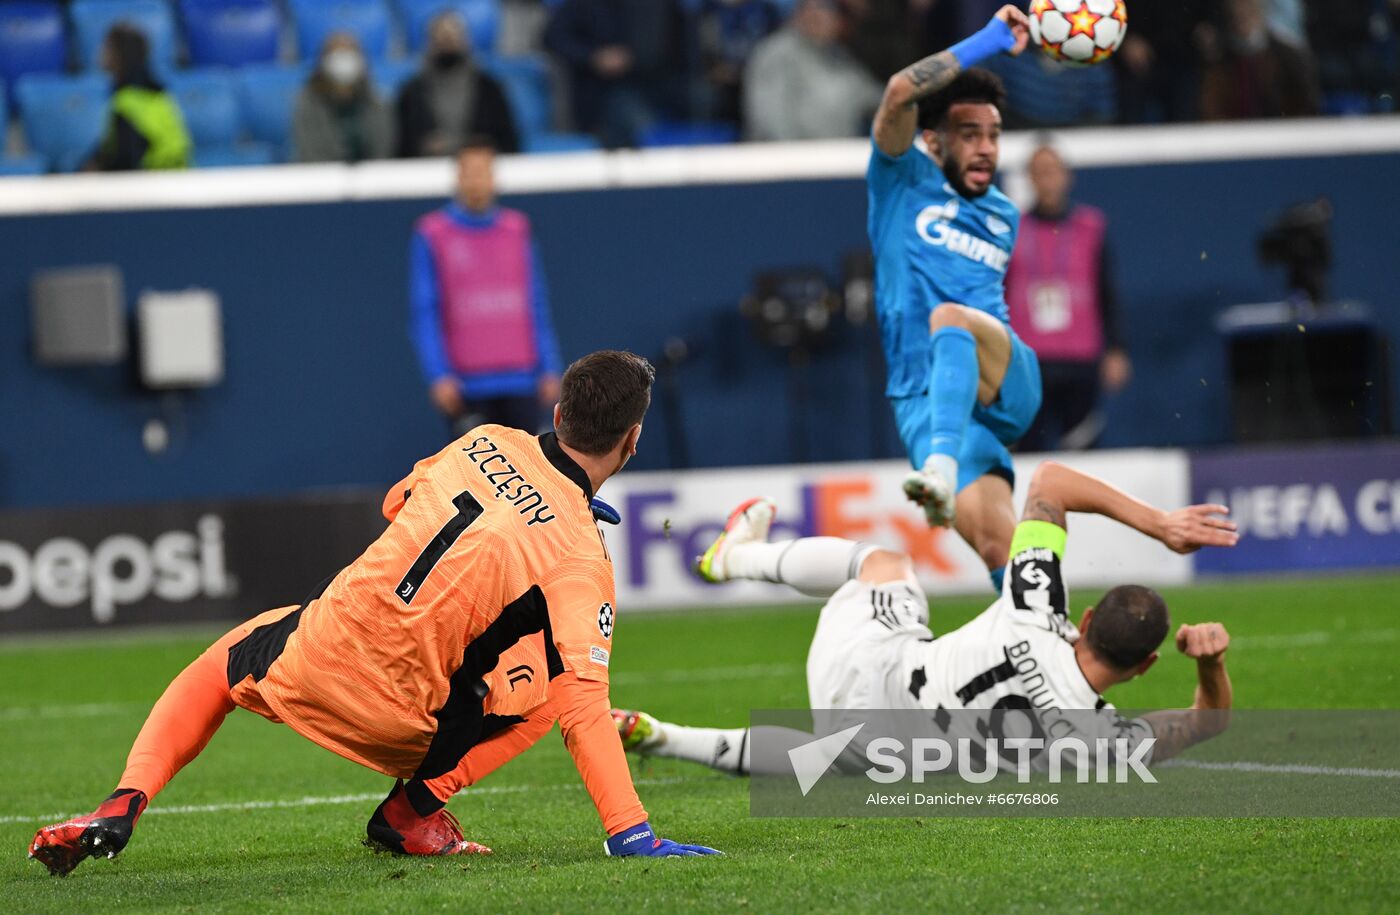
[[266, 821]]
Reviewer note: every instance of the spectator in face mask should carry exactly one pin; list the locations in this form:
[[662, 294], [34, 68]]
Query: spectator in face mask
[[451, 99], [338, 117]]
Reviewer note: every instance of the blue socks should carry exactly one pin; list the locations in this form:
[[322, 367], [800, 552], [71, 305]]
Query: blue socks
[[952, 389], [998, 575]]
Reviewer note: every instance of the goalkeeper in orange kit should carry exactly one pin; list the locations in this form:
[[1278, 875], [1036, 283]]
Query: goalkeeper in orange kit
[[482, 614]]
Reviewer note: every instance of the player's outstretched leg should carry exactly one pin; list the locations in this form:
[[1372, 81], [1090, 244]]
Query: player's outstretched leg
[[970, 352], [415, 822], [178, 728], [816, 566], [723, 749]]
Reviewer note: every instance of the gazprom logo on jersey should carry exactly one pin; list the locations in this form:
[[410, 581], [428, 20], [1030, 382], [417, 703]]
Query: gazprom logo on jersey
[[61, 572], [1315, 508], [934, 225]]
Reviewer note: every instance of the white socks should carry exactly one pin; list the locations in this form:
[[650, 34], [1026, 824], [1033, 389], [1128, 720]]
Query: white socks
[[726, 749], [816, 566], [730, 750], [946, 465]]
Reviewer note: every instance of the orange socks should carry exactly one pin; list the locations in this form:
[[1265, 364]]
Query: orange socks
[[182, 721]]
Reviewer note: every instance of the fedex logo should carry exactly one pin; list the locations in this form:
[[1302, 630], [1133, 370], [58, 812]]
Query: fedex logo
[[663, 533]]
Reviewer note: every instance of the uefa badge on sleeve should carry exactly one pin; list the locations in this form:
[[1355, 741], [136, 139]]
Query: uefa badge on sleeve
[[605, 620]]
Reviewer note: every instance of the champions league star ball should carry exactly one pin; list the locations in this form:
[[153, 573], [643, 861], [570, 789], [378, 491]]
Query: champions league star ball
[[1079, 32]]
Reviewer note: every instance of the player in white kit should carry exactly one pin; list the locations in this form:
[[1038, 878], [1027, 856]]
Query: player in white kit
[[873, 648]]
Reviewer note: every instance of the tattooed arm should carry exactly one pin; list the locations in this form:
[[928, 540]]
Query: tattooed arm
[[1056, 490], [898, 115], [1177, 729]]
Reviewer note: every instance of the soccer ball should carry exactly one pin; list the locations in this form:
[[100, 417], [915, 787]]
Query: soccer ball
[[1079, 32]]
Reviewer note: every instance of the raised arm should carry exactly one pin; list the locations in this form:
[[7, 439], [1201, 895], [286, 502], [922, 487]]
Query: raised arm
[[1056, 490], [1209, 715], [898, 115]]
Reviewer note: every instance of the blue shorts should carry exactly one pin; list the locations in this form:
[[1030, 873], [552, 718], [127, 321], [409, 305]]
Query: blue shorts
[[989, 430]]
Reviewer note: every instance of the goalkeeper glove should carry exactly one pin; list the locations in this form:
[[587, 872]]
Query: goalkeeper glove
[[640, 840]]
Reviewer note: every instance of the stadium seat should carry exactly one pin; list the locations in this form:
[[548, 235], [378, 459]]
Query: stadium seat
[[367, 20], [561, 142], [268, 95], [209, 101], [483, 18], [63, 116], [526, 81], [390, 75], [92, 19], [677, 133], [1347, 103], [15, 166], [239, 156], [231, 33], [31, 40]]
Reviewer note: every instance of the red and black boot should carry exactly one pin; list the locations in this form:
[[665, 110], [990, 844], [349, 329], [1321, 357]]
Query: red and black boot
[[63, 846], [412, 821]]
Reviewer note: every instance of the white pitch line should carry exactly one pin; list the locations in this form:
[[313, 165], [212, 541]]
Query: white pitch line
[[629, 678], [328, 800], [1315, 637], [82, 710], [1281, 768]]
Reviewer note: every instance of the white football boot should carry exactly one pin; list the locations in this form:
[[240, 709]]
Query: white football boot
[[749, 523], [930, 490]]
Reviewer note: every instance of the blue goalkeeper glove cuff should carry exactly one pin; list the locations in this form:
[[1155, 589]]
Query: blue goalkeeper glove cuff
[[640, 840], [994, 38], [604, 512]]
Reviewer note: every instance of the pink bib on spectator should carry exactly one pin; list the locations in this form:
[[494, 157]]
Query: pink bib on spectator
[[1052, 285], [484, 292]]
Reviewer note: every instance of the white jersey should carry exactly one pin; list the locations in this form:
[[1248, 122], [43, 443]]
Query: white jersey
[[1017, 654], [874, 650]]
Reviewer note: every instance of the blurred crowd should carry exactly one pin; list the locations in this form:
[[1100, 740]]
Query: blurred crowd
[[814, 68], [577, 74], [630, 71]]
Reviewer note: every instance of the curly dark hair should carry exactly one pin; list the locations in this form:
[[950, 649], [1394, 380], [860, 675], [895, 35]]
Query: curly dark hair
[[975, 85]]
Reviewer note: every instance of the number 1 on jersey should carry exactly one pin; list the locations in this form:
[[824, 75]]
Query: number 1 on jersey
[[468, 510]]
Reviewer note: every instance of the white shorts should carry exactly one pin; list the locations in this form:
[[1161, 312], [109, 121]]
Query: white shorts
[[854, 659]]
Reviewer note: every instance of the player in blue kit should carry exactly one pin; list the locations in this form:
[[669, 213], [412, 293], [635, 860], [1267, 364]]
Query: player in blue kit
[[962, 384]]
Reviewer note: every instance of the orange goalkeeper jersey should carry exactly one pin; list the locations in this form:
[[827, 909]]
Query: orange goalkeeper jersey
[[491, 580]]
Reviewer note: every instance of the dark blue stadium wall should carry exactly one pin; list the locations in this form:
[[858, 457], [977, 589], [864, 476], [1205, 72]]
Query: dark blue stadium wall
[[322, 388]]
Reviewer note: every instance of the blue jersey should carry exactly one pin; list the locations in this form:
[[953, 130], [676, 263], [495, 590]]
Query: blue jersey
[[931, 246]]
